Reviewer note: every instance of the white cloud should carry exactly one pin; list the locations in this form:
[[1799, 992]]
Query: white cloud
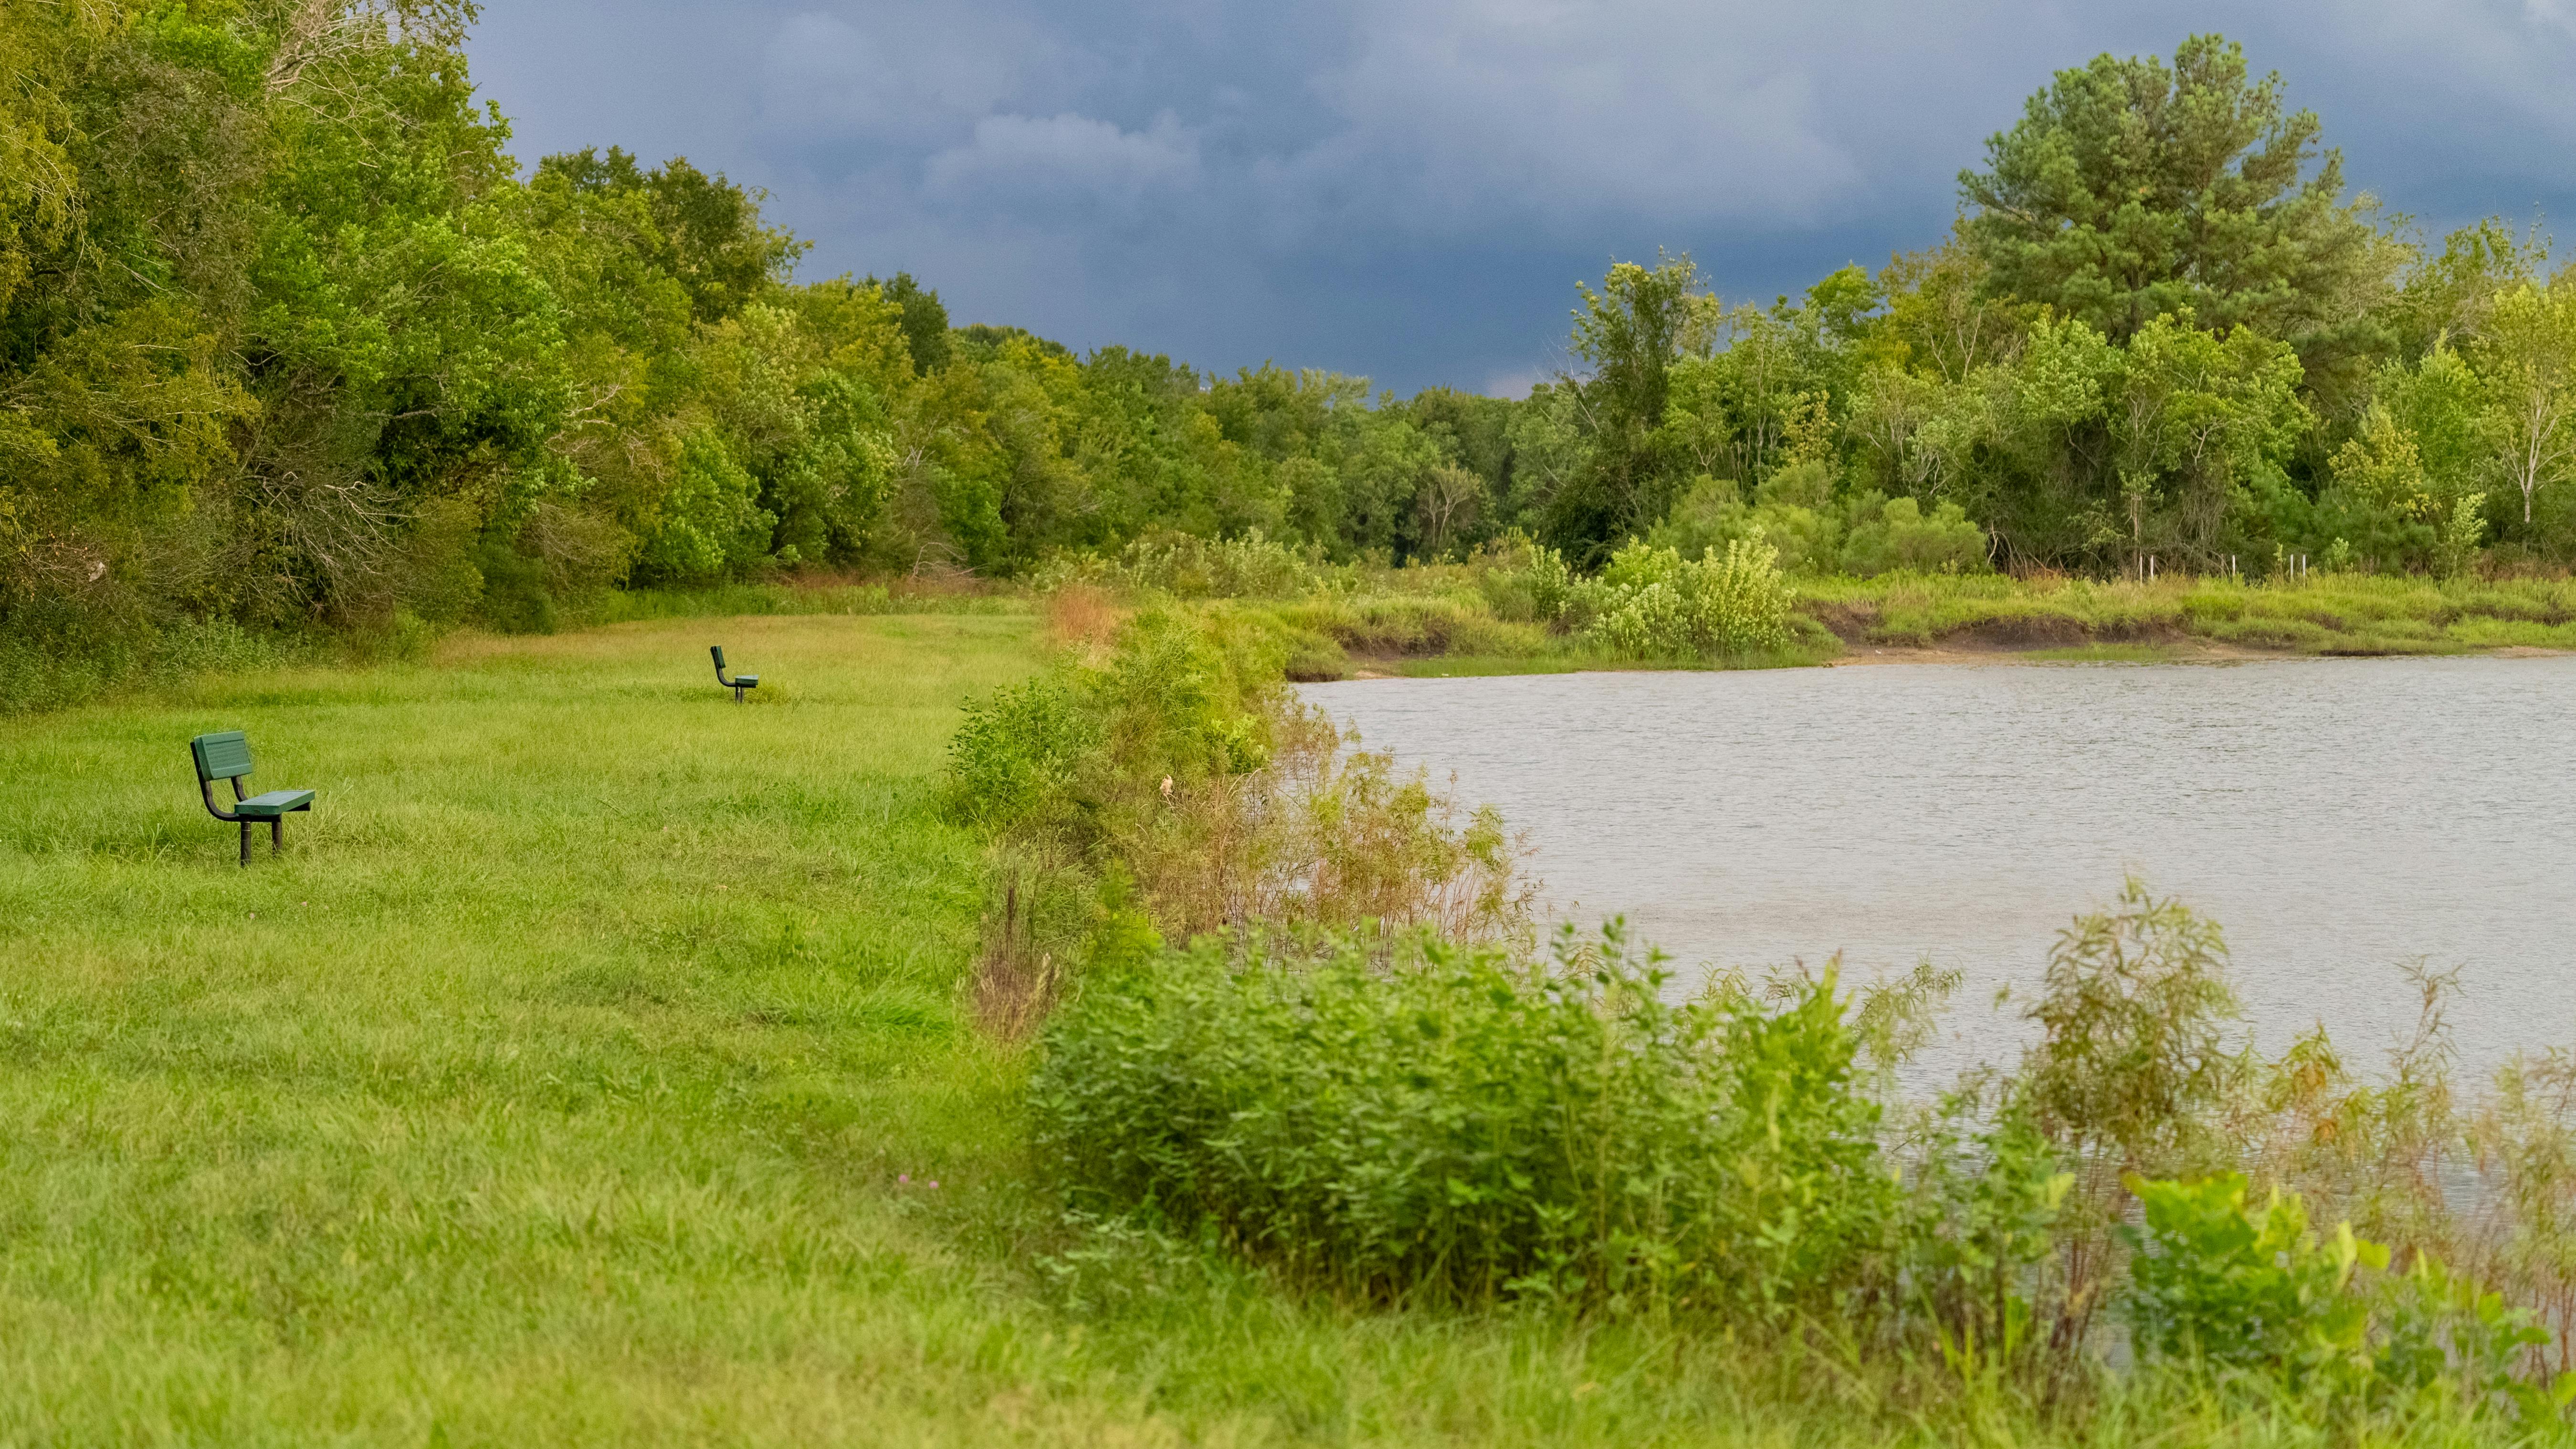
[[1025, 158]]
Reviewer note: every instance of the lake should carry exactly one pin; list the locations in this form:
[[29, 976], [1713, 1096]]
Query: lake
[[2338, 817]]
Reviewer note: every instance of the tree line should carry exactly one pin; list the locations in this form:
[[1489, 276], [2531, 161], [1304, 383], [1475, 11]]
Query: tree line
[[287, 337]]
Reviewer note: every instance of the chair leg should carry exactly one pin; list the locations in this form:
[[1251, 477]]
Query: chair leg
[[276, 834], [245, 845]]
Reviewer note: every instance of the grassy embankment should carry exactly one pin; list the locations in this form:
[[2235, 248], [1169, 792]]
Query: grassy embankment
[[562, 1082], [1443, 621]]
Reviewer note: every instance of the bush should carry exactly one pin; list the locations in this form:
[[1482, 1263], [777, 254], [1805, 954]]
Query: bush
[[1175, 760], [1191, 567], [1651, 604], [1533, 587], [1460, 1126], [2216, 1285], [2222, 1285], [1898, 536], [1862, 534], [1015, 756]]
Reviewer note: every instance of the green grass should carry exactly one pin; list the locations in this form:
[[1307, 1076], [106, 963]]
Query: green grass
[[556, 1087], [2330, 614], [1434, 624], [552, 1086]]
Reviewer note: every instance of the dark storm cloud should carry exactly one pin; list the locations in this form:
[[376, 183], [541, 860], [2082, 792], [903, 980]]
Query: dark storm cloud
[[1408, 188]]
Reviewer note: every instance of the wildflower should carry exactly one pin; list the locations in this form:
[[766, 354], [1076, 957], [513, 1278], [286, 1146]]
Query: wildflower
[[903, 1177]]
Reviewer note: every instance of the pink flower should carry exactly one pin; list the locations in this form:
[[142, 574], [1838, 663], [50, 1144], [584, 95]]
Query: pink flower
[[903, 1177]]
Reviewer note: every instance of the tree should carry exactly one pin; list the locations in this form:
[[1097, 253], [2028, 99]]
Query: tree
[[925, 319], [707, 233], [2130, 191], [1629, 333], [2526, 363]]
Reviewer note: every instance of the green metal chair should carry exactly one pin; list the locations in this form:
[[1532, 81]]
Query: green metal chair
[[226, 756], [739, 682]]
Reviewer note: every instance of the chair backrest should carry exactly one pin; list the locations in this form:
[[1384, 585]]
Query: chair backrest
[[718, 651], [224, 756]]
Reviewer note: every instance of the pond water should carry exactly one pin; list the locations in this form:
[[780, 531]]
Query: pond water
[[2338, 817]]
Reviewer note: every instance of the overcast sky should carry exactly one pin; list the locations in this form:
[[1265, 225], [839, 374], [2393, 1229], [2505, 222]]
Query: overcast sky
[[1408, 189]]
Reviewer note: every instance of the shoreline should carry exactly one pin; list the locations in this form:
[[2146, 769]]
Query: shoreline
[[1862, 656]]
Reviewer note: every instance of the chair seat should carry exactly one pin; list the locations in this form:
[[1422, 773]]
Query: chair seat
[[275, 802], [746, 681]]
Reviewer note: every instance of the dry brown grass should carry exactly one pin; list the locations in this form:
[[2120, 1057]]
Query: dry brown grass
[[1328, 836], [1081, 617], [1016, 980]]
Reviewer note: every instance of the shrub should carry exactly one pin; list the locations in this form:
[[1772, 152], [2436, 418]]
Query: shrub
[[1014, 758], [2217, 1283], [1191, 567], [1531, 585], [1652, 604], [1176, 762], [1816, 533], [1900, 537], [1461, 1126]]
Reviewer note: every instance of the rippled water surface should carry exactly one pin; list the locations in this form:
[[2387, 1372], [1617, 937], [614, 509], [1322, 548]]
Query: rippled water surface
[[2339, 817]]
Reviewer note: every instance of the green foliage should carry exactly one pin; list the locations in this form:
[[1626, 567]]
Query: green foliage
[[1190, 567], [1459, 1127], [2130, 190], [2217, 1283], [1982, 1211], [1861, 534], [1016, 753], [1901, 537], [2136, 1060], [1651, 603], [711, 517]]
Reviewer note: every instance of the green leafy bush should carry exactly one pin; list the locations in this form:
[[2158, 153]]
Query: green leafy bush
[[1528, 584], [2218, 1285], [1861, 534], [1899, 537], [1650, 603], [1015, 756], [1462, 1126], [2216, 1282]]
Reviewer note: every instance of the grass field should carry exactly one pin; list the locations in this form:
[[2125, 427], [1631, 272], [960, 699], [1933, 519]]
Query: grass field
[[552, 1086], [581, 1073], [560, 1082]]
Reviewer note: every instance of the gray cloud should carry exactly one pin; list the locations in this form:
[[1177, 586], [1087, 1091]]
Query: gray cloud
[[1408, 188]]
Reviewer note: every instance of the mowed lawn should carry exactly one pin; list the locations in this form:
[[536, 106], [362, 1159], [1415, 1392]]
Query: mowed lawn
[[553, 1087]]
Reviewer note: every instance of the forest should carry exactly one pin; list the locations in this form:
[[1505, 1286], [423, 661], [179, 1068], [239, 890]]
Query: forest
[[291, 341]]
